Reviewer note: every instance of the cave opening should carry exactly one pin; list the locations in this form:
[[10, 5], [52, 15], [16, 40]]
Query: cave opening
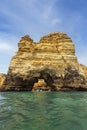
[[43, 79], [44, 82]]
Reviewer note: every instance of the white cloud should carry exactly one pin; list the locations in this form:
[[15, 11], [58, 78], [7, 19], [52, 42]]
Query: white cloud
[[25, 16], [6, 46], [83, 59], [36, 18], [56, 21], [47, 12]]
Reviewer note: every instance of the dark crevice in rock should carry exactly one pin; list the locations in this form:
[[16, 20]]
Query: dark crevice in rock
[[72, 81]]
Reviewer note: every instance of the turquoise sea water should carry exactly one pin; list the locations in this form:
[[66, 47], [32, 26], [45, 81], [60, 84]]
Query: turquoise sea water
[[43, 111]]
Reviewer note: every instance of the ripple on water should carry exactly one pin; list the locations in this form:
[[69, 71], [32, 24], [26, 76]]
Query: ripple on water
[[43, 111]]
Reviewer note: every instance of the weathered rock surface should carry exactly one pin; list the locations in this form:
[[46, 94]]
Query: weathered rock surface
[[2, 79], [84, 70], [41, 85], [51, 62]]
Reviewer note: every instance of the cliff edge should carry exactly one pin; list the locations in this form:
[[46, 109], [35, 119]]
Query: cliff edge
[[49, 65]]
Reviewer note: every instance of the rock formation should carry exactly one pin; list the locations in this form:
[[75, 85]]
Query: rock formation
[[50, 63], [2, 79], [41, 85], [84, 70]]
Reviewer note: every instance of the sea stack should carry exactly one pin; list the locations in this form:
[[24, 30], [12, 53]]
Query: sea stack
[[49, 65]]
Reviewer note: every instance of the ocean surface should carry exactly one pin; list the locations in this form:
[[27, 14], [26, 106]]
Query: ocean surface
[[43, 111]]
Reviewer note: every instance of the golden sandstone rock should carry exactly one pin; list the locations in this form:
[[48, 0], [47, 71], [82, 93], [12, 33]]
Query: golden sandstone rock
[[40, 86], [2, 79], [52, 60], [84, 70]]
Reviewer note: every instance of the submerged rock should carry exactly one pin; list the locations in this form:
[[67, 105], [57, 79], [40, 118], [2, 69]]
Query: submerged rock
[[50, 64]]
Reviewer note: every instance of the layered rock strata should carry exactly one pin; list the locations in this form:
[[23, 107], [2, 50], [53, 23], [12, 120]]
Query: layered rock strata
[[52, 60]]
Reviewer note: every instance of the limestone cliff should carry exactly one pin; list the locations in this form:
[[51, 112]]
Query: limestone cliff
[[51, 60], [2, 79], [83, 69]]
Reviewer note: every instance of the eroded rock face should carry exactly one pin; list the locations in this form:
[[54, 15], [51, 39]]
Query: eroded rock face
[[2, 79], [84, 70], [52, 59], [41, 85]]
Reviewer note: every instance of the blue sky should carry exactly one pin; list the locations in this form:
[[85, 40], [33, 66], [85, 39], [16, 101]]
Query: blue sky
[[38, 18]]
